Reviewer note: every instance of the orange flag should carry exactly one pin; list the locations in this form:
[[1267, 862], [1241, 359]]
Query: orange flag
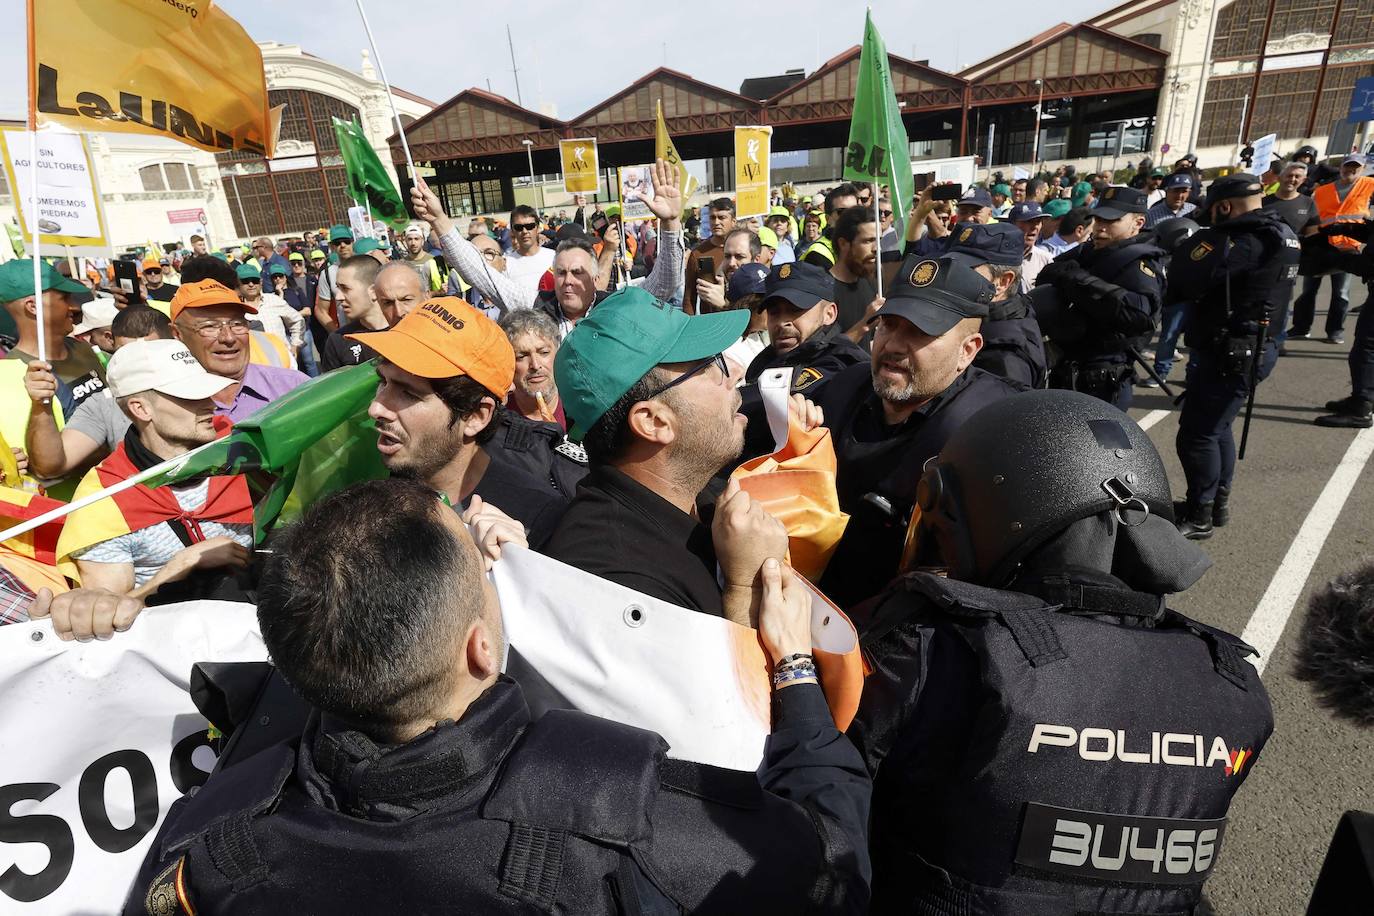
[[181, 69]]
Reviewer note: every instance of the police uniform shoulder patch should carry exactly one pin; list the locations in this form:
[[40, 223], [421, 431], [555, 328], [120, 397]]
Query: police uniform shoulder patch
[[806, 377], [1201, 251], [168, 895], [964, 236], [923, 273], [784, 271], [1145, 269]]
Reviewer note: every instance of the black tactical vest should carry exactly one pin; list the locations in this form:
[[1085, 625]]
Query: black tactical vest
[[1207, 263], [1094, 766]]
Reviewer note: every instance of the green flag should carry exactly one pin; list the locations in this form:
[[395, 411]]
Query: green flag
[[878, 142], [311, 441], [368, 180]]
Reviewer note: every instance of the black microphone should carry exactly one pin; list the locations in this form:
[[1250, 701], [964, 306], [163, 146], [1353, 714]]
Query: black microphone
[[1335, 651]]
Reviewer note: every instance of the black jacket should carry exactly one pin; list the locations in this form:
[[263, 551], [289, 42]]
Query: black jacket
[[1116, 292], [493, 814]]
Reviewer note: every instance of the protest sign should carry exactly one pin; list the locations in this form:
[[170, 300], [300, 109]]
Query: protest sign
[[97, 740], [185, 71], [70, 212], [752, 172], [579, 165], [636, 190], [1264, 153]]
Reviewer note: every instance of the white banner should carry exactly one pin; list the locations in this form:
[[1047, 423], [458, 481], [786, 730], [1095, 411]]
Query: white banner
[[96, 741], [70, 210]]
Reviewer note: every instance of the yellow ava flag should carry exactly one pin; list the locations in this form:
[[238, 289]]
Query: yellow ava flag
[[579, 165], [665, 150], [172, 68], [752, 146]]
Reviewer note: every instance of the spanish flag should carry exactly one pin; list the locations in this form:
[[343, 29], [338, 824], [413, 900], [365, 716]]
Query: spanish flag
[[32, 556], [181, 69], [139, 507]]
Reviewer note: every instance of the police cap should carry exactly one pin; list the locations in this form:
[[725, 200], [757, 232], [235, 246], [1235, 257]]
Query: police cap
[[936, 294], [803, 285], [1228, 187], [1116, 202], [992, 243]]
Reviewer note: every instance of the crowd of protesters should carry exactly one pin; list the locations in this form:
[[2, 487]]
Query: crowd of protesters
[[583, 385]]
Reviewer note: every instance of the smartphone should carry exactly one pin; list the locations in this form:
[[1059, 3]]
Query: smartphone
[[706, 267], [923, 181], [947, 192], [126, 276]]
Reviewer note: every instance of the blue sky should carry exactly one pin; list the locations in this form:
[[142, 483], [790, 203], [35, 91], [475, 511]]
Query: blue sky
[[439, 49]]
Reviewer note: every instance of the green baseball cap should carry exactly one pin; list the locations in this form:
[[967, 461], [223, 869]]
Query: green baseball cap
[[340, 233], [624, 337], [221, 255], [363, 246], [277, 268], [249, 271], [1003, 189], [1057, 208], [16, 280]]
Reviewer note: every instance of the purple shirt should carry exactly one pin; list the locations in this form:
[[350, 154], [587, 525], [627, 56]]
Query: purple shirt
[[261, 385]]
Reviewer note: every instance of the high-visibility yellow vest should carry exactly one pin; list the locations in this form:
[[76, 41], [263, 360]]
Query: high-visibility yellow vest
[[268, 350]]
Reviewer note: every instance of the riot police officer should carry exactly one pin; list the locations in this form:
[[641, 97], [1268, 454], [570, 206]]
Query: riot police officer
[[1013, 345], [1046, 736], [1235, 272], [419, 783], [799, 300], [1109, 294]]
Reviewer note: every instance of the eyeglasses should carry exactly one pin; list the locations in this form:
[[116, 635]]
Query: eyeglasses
[[490, 255], [337, 242], [250, 281], [884, 213], [210, 329], [153, 270], [718, 361], [524, 227]]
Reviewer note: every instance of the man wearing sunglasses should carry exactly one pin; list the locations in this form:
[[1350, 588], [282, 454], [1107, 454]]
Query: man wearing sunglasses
[[646, 391], [527, 257], [155, 281]]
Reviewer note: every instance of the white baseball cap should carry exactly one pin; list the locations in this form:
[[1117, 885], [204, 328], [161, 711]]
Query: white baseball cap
[[96, 314], [164, 366], [415, 229]]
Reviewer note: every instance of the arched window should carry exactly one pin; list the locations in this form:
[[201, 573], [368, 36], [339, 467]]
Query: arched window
[[169, 176]]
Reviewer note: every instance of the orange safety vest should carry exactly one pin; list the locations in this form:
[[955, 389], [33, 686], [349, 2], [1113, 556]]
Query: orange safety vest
[[1330, 207]]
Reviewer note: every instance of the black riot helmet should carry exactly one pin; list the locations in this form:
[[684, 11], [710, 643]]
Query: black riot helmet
[[1174, 232], [1024, 468], [1309, 151]]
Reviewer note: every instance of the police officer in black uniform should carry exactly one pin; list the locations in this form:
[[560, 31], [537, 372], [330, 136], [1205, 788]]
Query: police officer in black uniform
[[1046, 736], [1013, 344], [421, 786], [886, 419], [1108, 298], [1235, 273], [799, 301]]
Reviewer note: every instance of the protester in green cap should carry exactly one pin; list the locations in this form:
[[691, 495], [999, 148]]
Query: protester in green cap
[[646, 391], [276, 316], [1001, 200], [327, 296], [1054, 211], [72, 370], [1083, 194]]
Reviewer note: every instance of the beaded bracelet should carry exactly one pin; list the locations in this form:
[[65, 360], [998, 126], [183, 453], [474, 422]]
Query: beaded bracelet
[[790, 660], [793, 674]]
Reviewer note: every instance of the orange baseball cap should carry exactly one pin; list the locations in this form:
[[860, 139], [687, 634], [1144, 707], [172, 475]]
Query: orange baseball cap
[[204, 293], [444, 338], [150, 263]]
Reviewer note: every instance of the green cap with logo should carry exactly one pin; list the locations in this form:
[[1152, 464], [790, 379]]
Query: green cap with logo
[[624, 337], [16, 280], [340, 233], [249, 271]]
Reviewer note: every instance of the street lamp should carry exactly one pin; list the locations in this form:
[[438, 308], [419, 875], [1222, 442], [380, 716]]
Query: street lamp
[[1035, 148], [529, 152]]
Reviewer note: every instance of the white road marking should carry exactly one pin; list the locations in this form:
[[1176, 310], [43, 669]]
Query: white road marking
[[1153, 417], [1271, 615]]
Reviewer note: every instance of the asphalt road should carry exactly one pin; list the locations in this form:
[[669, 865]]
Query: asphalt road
[[1314, 767]]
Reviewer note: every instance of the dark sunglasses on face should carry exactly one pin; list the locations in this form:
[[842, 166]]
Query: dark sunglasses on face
[[524, 227], [884, 213]]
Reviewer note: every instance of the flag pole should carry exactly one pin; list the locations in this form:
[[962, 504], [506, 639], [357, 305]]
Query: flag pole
[[35, 229], [878, 229], [381, 69], [171, 464]]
